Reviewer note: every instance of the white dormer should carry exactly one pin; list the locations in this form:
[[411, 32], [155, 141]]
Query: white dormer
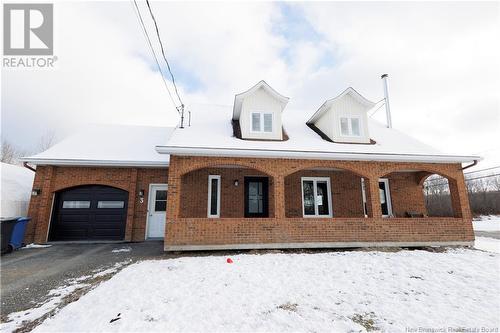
[[344, 118], [258, 111]]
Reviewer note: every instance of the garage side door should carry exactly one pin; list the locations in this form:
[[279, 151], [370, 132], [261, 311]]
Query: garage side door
[[89, 213]]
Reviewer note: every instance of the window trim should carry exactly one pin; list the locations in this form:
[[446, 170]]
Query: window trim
[[261, 121], [209, 203], [349, 126], [315, 193]]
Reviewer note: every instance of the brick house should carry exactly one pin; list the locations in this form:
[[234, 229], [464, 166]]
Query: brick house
[[258, 179]]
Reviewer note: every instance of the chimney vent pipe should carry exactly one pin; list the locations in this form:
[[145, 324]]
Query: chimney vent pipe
[[387, 106]]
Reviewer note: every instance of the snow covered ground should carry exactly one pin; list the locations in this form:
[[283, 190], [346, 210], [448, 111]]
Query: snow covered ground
[[56, 298], [337, 291], [487, 223]]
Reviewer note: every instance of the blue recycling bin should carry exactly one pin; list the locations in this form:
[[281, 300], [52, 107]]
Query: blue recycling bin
[[16, 240]]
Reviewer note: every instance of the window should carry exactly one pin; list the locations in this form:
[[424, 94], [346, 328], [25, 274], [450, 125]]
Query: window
[[161, 201], [350, 126], [110, 204], [76, 204], [316, 197], [213, 196], [262, 122]]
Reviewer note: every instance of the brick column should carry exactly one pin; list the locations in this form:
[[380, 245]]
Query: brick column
[[373, 197], [174, 190], [279, 197], [459, 197], [132, 197], [45, 208]]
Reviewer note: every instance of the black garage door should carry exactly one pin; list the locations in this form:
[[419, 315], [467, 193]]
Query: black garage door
[[89, 213]]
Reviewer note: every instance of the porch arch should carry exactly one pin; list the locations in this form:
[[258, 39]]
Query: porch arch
[[194, 187], [408, 197]]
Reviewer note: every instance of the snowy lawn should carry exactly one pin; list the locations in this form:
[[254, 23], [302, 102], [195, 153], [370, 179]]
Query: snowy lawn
[[487, 223], [333, 292]]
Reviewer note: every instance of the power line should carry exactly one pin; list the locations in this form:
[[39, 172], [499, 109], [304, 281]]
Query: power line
[[145, 32], [163, 53], [383, 99], [475, 171], [466, 180]]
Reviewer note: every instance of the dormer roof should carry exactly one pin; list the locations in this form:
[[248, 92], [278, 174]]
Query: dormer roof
[[238, 99], [367, 104]]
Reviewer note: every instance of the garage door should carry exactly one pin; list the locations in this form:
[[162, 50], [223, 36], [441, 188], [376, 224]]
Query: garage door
[[89, 213]]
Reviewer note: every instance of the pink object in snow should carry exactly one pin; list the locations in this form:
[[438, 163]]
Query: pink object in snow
[[229, 260]]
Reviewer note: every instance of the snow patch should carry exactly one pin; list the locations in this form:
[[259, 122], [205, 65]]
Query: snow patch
[[487, 223], [36, 246], [487, 244], [123, 249], [336, 291], [55, 299]]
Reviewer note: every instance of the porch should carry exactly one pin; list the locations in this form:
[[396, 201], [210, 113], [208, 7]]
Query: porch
[[235, 203]]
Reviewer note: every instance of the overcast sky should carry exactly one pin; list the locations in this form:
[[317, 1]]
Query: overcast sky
[[443, 60]]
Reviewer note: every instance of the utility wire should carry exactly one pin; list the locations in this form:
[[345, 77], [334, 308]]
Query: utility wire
[[145, 32], [383, 99], [163, 53], [466, 180]]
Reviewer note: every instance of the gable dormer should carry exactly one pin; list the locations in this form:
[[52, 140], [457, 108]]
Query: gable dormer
[[343, 118], [258, 112]]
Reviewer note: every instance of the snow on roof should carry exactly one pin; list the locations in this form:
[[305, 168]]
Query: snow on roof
[[211, 134], [109, 145], [238, 99], [349, 91]]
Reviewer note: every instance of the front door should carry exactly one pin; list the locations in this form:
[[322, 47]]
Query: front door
[[256, 197], [157, 208], [385, 197]]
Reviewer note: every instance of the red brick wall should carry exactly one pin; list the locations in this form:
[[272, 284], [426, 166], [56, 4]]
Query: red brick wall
[[194, 194], [51, 179], [181, 231], [345, 186], [406, 194]]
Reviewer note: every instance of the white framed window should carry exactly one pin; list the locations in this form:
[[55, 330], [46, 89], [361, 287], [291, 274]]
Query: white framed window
[[261, 122], [350, 126], [316, 197], [213, 196]]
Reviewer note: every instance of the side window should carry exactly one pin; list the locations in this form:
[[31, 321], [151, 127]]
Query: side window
[[256, 122], [268, 122], [350, 126], [213, 196]]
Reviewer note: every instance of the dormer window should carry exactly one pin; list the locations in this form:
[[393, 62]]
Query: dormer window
[[257, 114], [343, 119], [350, 126], [262, 122]]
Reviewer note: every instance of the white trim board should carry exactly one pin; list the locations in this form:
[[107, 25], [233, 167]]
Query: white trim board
[[314, 155]]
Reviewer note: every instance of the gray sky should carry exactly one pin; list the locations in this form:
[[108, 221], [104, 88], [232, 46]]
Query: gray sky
[[443, 60]]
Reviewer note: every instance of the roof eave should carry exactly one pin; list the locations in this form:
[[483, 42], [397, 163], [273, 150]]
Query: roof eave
[[90, 162], [319, 155]]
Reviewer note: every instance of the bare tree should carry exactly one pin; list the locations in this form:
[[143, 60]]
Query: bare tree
[[9, 152], [47, 140]]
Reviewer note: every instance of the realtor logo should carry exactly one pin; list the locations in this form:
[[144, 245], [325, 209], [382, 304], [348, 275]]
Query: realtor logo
[[28, 29]]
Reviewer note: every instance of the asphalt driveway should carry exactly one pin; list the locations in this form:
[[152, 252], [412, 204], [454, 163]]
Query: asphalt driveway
[[27, 275]]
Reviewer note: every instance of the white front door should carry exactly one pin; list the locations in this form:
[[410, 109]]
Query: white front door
[[157, 208]]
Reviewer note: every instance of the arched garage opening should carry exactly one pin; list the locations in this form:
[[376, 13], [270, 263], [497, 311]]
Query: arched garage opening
[[90, 212]]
